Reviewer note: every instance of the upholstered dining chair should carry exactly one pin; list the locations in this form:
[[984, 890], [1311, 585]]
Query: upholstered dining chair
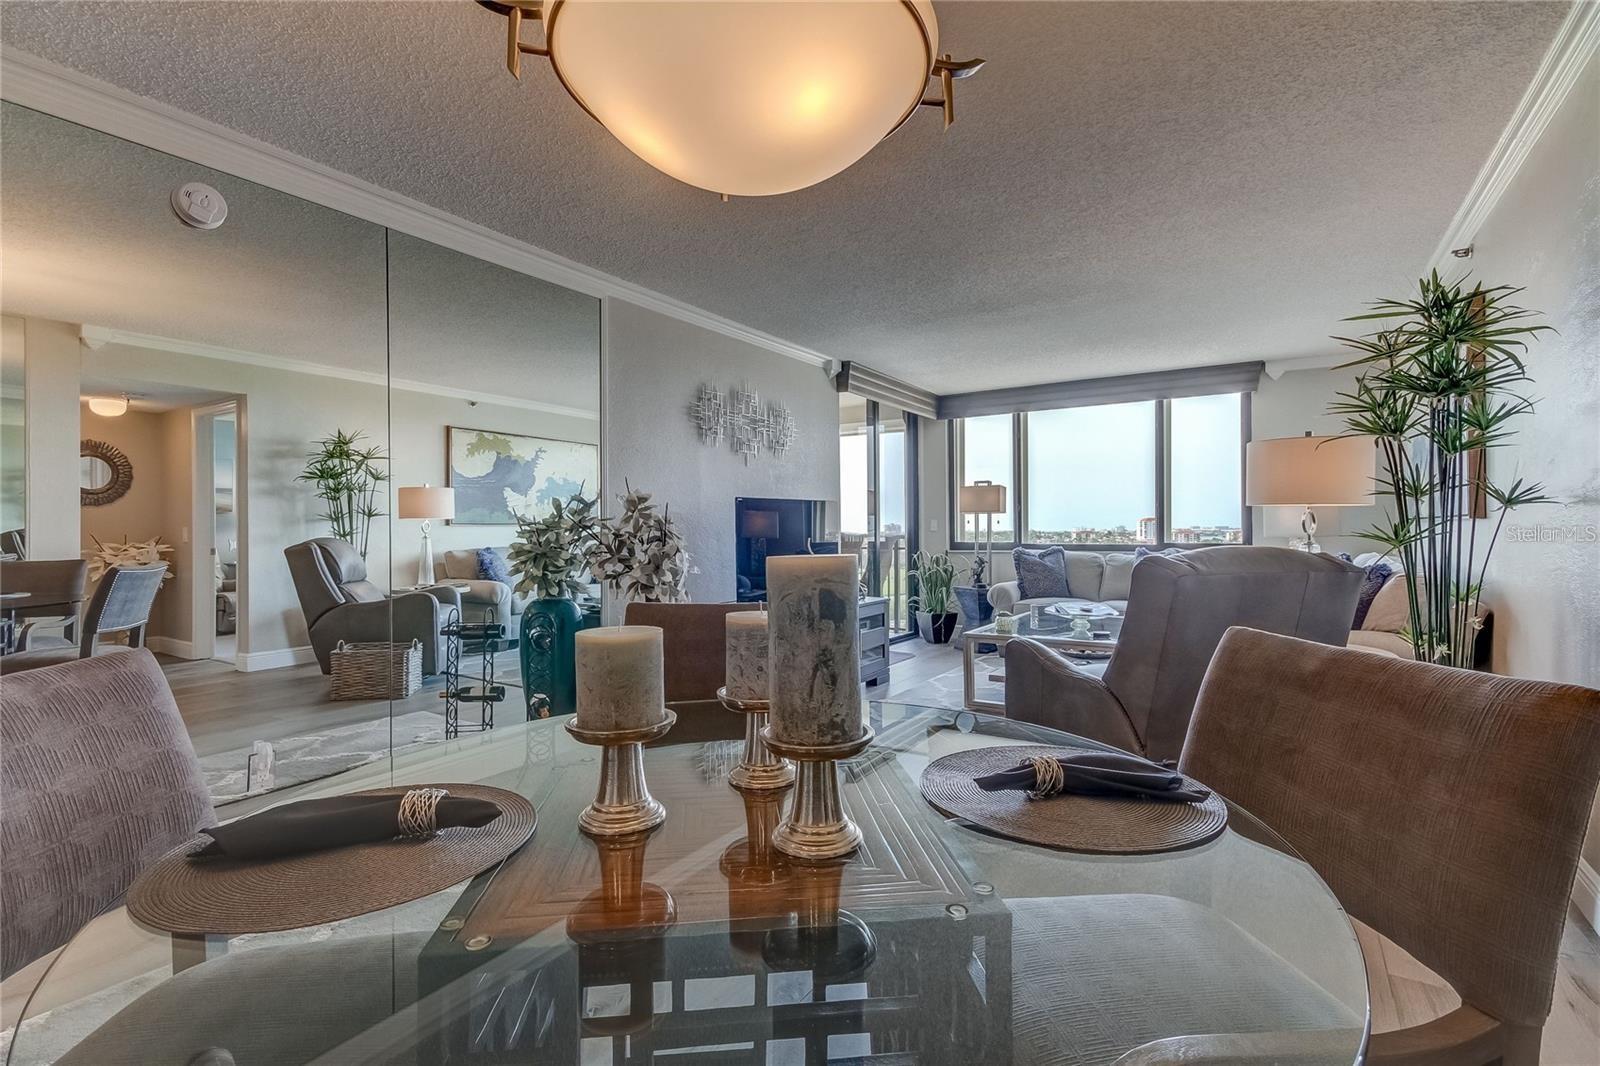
[[1445, 808], [55, 592], [693, 644], [99, 780], [1178, 609], [121, 604]]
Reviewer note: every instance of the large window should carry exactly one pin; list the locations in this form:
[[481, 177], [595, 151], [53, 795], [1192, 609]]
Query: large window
[[1150, 472]]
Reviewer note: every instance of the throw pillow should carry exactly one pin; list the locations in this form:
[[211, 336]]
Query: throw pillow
[[492, 566], [1377, 574], [1390, 610], [1041, 573]]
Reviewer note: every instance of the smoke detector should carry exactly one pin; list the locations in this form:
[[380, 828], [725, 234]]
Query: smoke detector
[[199, 205]]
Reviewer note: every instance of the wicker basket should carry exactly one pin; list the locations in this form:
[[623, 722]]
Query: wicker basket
[[379, 671]]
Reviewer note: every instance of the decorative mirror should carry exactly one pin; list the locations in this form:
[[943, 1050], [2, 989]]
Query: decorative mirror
[[105, 475]]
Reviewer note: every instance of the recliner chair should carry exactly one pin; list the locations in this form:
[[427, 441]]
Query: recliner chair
[[340, 604]]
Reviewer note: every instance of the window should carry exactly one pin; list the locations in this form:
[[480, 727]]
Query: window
[[1091, 475], [1149, 472], [983, 453]]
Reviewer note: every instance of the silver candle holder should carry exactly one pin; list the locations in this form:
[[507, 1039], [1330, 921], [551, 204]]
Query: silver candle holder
[[815, 826], [622, 802], [759, 770]]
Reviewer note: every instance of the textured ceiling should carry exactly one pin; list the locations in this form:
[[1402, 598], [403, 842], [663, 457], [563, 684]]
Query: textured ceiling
[[1128, 187]]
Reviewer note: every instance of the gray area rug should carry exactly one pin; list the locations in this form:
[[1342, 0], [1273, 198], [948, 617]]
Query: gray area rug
[[318, 755]]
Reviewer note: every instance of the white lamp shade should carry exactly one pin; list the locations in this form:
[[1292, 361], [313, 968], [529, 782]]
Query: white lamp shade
[[109, 406], [982, 498], [748, 99], [425, 501], [1309, 472]]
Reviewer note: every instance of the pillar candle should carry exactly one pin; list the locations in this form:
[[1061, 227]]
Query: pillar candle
[[814, 662], [619, 678], [746, 666]]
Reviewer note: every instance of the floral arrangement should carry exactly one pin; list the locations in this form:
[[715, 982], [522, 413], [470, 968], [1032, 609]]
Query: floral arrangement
[[128, 553], [640, 553], [550, 552]]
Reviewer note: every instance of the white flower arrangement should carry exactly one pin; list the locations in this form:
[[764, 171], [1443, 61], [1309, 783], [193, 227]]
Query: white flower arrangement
[[128, 553]]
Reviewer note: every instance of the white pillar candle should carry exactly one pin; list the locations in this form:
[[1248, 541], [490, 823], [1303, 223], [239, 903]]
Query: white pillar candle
[[746, 664], [619, 678], [814, 665]]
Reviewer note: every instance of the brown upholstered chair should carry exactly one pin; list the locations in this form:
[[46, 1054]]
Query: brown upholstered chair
[[55, 592], [99, 780], [693, 644], [121, 603], [1178, 609], [1445, 808]]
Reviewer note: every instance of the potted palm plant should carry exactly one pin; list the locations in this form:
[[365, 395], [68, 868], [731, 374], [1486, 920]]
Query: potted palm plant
[[1440, 385], [933, 580], [348, 476]]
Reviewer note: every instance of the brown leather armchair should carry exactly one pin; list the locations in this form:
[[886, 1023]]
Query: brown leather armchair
[[1178, 609], [340, 604]]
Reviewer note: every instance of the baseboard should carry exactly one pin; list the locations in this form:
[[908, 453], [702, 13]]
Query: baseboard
[[250, 662], [178, 649], [1586, 893]]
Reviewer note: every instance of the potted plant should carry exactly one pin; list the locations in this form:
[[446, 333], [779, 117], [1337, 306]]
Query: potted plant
[[348, 477], [640, 553], [1438, 388], [548, 557], [933, 579]]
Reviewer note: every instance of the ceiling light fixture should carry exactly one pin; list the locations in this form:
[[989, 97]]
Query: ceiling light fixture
[[743, 99], [109, 406]]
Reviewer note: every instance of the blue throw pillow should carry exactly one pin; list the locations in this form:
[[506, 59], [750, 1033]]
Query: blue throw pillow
[[492, 566], [1377, 575], [1041, 573]]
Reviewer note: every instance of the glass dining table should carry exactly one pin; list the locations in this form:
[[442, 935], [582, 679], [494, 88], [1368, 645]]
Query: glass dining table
[[935, 943]]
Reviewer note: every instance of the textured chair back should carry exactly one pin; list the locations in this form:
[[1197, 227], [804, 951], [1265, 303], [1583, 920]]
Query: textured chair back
[[121, 603], [99, 780], [694, 643], [1180, 606], [1445, 808]]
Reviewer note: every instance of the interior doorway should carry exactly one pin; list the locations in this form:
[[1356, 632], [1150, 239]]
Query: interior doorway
[[219, 524]]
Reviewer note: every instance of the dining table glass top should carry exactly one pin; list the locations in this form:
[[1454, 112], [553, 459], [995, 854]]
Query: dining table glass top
[[697, 942]]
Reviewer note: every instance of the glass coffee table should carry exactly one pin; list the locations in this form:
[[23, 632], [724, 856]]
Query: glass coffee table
[[1085, 644]]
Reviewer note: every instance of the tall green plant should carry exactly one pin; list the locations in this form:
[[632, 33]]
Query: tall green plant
[[348, 477], [1441, 379], [934, 576]]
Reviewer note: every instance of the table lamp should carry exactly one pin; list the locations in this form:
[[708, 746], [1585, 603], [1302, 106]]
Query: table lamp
[[988, 499], [427, 503], [1309, 472]]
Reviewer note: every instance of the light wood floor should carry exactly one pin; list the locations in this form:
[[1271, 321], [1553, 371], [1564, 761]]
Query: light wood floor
[[226, 710]]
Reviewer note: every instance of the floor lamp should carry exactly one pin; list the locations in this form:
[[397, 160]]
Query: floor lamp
[[1309, 472], [427, 503], [988, 499]]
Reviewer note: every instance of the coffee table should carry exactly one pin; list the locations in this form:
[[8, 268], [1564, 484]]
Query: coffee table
[[1054, 631]]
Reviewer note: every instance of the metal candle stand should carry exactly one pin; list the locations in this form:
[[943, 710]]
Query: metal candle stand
[[815, 826], [759, 770], [622, 803]]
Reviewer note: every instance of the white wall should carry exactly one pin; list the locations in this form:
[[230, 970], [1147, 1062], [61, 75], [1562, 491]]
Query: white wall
[[1544, 233], [51, 395], [654, 365]]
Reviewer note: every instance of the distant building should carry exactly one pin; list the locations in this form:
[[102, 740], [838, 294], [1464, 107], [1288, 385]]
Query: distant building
[[1147, 530]]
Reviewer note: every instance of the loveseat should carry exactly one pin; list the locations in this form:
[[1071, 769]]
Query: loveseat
[[1092, 577], [483, 599]]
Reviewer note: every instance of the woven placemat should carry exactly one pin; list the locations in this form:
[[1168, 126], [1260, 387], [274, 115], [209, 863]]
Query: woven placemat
[[227, 897], [1105, 825]]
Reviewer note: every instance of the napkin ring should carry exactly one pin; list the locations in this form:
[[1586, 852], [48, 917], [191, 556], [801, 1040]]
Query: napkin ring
[[419, 812], [1048, 777]]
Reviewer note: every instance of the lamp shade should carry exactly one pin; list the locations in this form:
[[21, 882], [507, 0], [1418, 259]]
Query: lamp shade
[[745, 99], [425, 501], [759, 524], [982, 497], [1309, 472]]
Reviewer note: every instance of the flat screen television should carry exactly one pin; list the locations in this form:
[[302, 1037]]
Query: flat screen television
[[764, 527]]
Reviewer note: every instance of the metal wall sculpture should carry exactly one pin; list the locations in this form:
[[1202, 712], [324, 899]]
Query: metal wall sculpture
[[739, 417]]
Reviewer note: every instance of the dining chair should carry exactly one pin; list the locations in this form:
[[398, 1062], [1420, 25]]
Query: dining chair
[[99, 780], [1178, 609], [121, 604], [55, 592], [693, 644], [1445, 808]]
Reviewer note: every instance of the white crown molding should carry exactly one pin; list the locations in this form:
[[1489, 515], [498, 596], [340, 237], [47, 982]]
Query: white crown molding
[[65, 93], [1575, 43], [96, 337]]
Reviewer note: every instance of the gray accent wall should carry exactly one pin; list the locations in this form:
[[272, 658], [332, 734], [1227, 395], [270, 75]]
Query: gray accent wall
[[653, 369]]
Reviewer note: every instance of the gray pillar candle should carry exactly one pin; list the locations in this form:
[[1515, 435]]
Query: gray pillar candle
[[619, 679], [814, 665], [746, 664]]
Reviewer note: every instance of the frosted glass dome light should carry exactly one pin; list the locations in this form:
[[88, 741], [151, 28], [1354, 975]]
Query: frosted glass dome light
[[109, 406], [742, 97]]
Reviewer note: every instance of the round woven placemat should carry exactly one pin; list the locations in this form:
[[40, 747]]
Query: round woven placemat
[[1105, 825], [228, 896]]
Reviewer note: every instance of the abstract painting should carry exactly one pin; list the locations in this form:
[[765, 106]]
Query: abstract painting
[[498, 476]]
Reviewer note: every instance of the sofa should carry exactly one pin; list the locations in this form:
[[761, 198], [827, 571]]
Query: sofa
[[1092, 577], [483, 599], [1381, 627]]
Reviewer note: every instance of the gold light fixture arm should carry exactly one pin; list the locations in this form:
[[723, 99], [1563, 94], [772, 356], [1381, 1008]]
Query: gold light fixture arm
[[515, 11], [947, 70]]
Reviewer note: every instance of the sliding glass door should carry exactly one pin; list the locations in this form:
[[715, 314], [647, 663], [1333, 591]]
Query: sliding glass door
[[878, 503]]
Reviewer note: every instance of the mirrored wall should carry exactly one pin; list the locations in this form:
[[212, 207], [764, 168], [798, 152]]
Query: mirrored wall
[[270, 407]]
